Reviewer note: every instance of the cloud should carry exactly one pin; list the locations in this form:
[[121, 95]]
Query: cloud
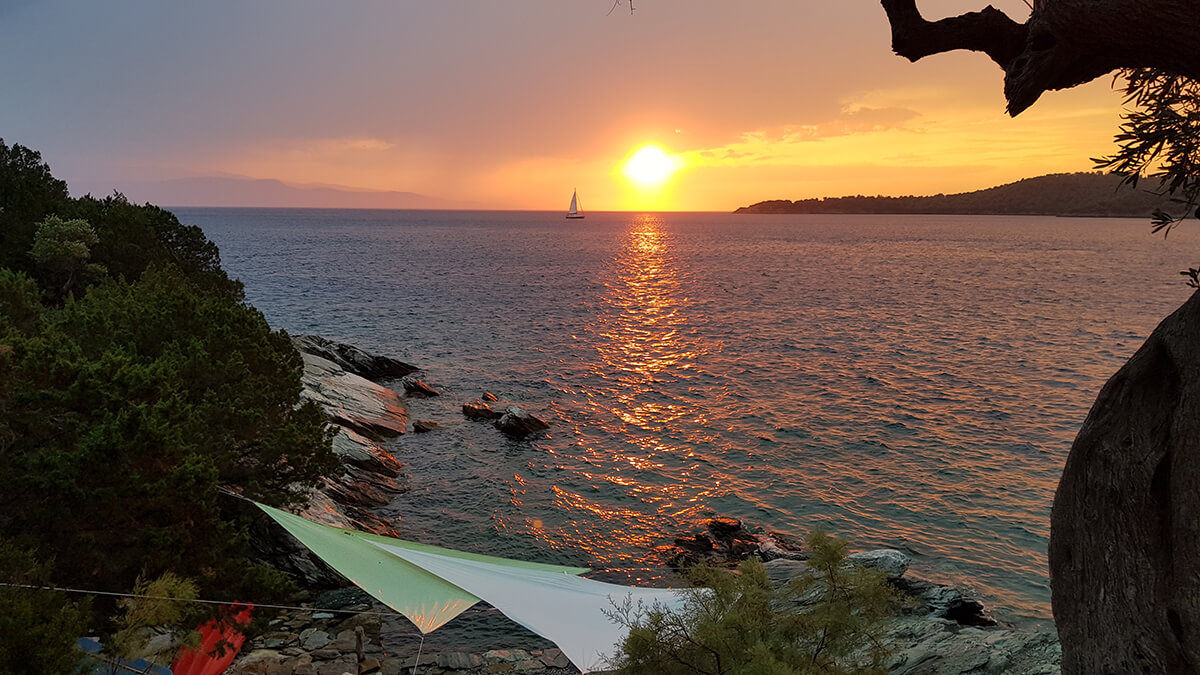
[[909, 127]]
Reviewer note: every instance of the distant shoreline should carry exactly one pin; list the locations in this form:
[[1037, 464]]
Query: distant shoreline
[[1084, 195]]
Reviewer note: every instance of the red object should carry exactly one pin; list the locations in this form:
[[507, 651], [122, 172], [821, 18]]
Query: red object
[[209, 659]]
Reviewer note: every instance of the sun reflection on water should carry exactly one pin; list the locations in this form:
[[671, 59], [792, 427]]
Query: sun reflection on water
[[643, 333]]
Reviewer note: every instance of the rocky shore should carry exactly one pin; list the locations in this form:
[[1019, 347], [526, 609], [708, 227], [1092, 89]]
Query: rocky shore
[[941, 631]]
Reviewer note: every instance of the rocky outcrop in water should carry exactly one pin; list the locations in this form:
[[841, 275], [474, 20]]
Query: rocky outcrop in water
[[478, 410], [424, 426], [418, 388], [1125, 530], [517, 423], [724, 541], [352, 359]]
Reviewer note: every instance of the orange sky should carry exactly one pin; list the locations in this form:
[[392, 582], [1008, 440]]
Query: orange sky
[[514, 104]]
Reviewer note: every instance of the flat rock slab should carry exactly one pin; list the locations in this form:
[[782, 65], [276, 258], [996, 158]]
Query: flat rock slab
[[355, 402], [352, 359]]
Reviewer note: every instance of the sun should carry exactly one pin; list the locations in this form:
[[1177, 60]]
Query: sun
[[650, 166]]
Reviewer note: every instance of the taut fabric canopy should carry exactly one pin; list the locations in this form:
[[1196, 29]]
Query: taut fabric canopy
[[431, 585], [425, 598]]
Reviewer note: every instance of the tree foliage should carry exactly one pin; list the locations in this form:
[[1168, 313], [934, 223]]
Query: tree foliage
[[62, 248], [128, 398], [160, 603], [37, 628], [129, 407], [1160, 140], [28, 193], [742, 624]]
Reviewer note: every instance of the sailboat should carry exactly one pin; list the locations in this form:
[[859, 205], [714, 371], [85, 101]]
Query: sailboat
[[573, 212]]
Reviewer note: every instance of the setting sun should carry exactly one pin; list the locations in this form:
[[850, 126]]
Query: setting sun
[[650, 166]]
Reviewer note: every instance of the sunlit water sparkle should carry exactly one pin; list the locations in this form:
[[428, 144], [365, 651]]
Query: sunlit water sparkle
[[903, 381]]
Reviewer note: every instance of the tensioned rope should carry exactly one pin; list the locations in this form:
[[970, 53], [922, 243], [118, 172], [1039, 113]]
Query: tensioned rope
[[416, 661], [194, 600]]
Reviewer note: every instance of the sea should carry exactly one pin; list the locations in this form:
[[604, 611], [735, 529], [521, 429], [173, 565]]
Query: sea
[[910, 382]]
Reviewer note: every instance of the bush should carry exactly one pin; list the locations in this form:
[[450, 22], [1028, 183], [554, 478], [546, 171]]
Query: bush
[[741, 624], [37, 627], [124, 412]]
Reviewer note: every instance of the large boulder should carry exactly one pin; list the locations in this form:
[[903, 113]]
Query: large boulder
[[1125, 530], [352, 401], [352, 359]]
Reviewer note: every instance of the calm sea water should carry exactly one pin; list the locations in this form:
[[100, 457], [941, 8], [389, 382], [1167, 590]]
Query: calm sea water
[[904, 381]]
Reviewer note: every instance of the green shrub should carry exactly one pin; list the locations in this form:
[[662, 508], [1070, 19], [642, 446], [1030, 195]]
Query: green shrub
[[128, 407], [37, 628], [741, 624]]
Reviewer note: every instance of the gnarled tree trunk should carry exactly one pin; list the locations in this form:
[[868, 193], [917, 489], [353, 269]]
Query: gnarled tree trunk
[[1063, 44]]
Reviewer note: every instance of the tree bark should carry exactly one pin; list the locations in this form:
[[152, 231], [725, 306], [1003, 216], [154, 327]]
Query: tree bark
[[1125, 530], [1064, 43]]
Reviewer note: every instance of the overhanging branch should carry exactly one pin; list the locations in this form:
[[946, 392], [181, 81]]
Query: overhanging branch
[[989, 31]]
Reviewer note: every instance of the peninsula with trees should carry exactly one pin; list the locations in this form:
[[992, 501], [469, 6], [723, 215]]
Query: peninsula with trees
[[1063, 194]]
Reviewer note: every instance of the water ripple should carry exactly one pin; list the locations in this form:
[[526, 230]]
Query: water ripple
[[912, 382]]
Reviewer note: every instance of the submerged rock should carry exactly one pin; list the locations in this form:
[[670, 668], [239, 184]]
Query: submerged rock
[[352, 359], [518, 423], [478, 410], [424, 426], [418, 388]]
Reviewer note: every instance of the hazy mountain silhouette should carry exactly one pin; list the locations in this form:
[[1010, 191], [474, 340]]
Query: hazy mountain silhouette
[[232, 191]]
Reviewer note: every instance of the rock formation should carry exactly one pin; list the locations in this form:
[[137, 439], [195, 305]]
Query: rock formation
[[352, 359], [354, 402], [418, 388], [518, 423], [1125, 529]]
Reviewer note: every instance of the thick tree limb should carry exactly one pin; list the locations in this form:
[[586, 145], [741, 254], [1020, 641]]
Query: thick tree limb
[[1063, 44], [989, 31]]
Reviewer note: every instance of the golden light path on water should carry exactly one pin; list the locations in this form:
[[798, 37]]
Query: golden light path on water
[[683, 458], [640, 332]]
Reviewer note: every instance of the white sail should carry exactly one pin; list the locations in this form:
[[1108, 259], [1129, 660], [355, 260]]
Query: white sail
[[573, 212]]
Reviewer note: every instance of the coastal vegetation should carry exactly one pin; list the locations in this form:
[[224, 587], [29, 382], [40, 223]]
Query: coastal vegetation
[[134, 381], [829, 621], [1065, 194]]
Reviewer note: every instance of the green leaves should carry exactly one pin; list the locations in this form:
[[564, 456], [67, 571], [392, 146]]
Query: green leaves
[[742, 624], [1160, 139]]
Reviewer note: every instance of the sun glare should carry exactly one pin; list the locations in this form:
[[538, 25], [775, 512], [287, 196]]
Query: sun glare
[[650, 166]]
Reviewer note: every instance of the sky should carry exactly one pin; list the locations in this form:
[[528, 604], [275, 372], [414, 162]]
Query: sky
[[514, 104]]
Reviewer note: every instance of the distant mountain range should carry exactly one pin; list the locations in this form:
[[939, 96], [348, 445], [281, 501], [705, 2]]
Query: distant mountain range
[[225, 191], [1061, 194]]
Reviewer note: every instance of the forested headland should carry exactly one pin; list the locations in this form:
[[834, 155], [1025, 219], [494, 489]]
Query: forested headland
[[1064, 194], [134, 382]]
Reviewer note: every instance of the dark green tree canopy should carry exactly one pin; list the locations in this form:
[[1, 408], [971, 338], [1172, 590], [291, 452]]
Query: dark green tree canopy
[[134, 382], [28, 193]]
